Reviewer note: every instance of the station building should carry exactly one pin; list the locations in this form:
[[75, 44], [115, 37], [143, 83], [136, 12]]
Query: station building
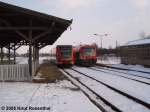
[[136, 52]]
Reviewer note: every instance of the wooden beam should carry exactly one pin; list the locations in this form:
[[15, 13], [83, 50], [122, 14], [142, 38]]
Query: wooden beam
[[30, 49], [30, 59], [43, 45], [17, 31], [46, 39], [2, 54], [9, 54], [14, 56], [23, 28], [18, 47], [35, 54], [5, 14], [49, 31], [43, 39], [42, 34]]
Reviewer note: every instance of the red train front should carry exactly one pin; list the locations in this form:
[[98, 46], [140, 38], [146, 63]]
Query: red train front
[[64, 55], [85, 55]]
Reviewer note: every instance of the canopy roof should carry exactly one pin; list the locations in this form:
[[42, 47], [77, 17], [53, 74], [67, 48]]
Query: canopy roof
[[22, 26]]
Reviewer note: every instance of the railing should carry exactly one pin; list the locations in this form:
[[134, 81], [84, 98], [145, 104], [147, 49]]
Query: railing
[[14, 72]]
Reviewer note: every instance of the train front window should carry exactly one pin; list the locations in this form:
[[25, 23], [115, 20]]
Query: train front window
[[88, 52], [66, 53]]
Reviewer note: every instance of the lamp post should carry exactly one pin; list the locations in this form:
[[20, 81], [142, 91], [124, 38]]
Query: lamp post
[[78, 43], [101, 37]]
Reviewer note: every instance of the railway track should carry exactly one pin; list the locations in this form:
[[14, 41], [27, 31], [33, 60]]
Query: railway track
[[133, 77], [117, 91], [126, 69], [103, 104]]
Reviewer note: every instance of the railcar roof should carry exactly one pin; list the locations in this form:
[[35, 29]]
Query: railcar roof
[[64, 46]]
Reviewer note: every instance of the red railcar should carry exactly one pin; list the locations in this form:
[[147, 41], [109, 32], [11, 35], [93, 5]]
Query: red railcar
[[85, 55], [64, 55]]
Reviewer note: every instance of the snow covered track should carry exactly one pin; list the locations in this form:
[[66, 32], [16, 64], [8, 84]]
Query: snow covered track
[[124, 75], [95, 98], [125, 69], [108, 88], [119, 91], [125, 72]]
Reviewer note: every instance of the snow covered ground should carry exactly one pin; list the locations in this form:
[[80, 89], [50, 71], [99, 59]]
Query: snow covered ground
[[123, 73], [133, 67], [55, 97], [108, 60], [115, 62], [24, 60], [64, 97], [136, 89], [21, 60]]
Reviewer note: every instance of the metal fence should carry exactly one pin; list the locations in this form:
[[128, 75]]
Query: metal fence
[[14, 72]]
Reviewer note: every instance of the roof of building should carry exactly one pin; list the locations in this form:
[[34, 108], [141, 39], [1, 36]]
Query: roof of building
[[138, 42], [20, 26]]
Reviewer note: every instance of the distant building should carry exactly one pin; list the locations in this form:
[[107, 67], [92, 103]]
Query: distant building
[[136, 52]]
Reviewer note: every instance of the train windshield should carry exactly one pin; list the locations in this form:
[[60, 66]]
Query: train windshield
[[66, 53], [89, 52]]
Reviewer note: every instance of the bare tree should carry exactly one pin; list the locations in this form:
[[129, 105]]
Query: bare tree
[[94, 44], [144, 36]]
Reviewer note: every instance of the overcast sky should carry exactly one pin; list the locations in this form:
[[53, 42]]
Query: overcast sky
[[123, 20]]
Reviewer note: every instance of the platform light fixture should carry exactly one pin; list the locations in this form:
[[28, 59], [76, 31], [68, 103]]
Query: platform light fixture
[[101, 37]]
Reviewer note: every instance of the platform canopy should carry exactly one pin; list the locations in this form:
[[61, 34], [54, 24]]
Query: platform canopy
[[20, 26]]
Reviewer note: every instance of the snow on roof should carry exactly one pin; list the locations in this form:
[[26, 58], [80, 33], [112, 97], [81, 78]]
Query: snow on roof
[[138, 42]]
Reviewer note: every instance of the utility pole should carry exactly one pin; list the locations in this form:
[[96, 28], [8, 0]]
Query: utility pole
[[116, 44], [101, 37]]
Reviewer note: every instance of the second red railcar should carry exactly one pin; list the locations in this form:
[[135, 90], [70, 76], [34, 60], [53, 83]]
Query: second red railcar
[[85, 55]]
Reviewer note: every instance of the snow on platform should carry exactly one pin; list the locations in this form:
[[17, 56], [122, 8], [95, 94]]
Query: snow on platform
[[24, 60], [55, 97]]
